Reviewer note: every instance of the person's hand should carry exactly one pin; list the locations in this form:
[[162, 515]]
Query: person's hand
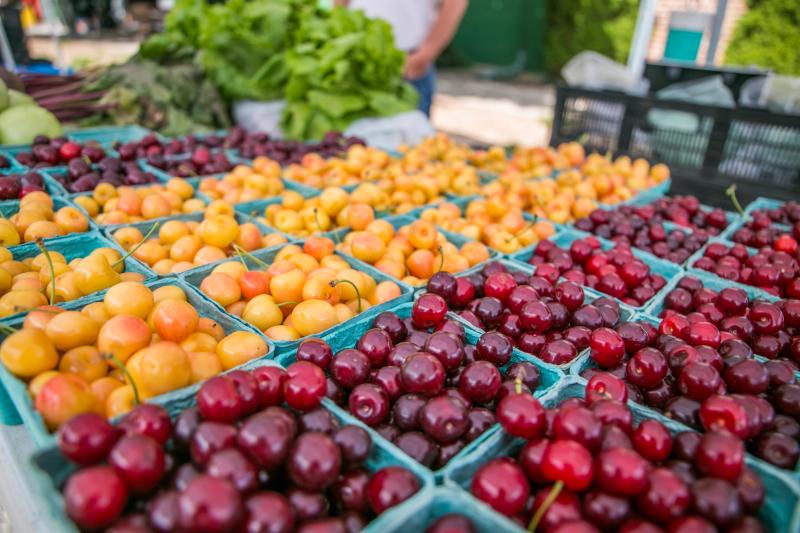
[[417, 64]]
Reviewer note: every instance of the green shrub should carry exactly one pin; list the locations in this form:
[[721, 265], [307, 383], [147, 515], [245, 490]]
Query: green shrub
[[768, 36], [605, 26]]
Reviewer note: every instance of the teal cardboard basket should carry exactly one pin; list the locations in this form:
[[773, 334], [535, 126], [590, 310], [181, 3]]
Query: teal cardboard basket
[[14, 165], [196, 276], [54, 172], [731, 217], [23, 403], [590, 295], [709, 281], [147, 225], [761, 204], [288, 185], [51, 470], [347, 335], [108, 136], [658, 266], [585, 362], [447, 500], [780, 512], [399, 221], [463, 202], [9, 208], [77, 245], [755, 291]]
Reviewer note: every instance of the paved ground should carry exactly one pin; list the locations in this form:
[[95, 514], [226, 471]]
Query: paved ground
[[475, 109]]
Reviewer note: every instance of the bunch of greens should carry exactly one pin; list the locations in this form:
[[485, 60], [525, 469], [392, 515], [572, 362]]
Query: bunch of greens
[[175, 100], [332, 66], [343, 67]]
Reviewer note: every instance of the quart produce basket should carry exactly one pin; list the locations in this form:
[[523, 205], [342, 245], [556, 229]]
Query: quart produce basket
[[731, 217], [565, 239], [195, 277], [399, 221], [757, 205], [9, 208], [288, 185], [23, 403], [451, 499], [51, 470], [752, 290], [60, 190], [709, 281], [347, 336], [626, 312], [145, 226], [76, 245], [780, 512], [107, 136], [463, 201]]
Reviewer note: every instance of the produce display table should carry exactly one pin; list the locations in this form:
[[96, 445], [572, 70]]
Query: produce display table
[[642, 246]]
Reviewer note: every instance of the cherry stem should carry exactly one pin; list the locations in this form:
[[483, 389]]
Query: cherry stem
[[43, 248], [241, 257], [241, 251], [731, 193], [7, 330], [539, 514], [441, 259], [121, 367], [122, 259], [518, 381], [287, 303], [358, 293]]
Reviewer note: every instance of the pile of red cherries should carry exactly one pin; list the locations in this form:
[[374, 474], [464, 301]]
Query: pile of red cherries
[[586, 466], [258, 453]]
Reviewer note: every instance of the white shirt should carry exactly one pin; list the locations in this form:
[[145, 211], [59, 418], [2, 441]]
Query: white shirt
[[411, 20]]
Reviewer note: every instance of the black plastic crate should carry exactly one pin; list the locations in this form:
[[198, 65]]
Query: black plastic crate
[[756, 149]]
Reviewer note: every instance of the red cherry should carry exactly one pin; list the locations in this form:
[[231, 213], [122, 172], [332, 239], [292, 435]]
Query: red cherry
[[621, 471], [666, 497], [569, 462], [721, 455], [608, 347], [305, 386], [140, 461], [501, 484], [69, 150], [390, 486], [87, 438], [428, 311], [724, 412], [605, 386], [522, 415], [785, 243], [210, 504], [270, 385], [148, 419], [95, 497], [499, 285], [218, 400], [652, 440]]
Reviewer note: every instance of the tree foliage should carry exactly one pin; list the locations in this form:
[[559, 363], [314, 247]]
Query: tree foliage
[[768, 36], [605, 26]]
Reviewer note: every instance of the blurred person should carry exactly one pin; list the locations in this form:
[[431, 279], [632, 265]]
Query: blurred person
[[422, 29]]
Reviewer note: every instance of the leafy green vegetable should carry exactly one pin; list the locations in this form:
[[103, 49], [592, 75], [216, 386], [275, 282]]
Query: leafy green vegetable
[[174, 100], [344, 67], [331, 66]]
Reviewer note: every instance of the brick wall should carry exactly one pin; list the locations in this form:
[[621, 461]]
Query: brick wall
[[734, 11]]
